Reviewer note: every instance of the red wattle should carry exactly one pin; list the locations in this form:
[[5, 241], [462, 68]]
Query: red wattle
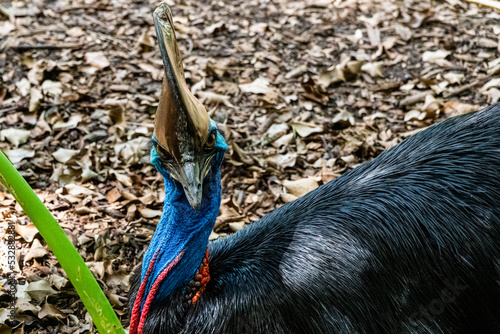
[[136, 310], [152, 292]]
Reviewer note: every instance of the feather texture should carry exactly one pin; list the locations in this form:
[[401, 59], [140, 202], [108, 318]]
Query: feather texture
[[406, 243]]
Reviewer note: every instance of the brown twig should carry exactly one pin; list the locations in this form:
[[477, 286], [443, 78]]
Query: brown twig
[[462, 89], [473, 84], [24, 47], [7, 109], [415, 98]]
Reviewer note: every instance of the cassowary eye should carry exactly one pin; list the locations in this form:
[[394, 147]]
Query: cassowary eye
[[164, 155], [210, 141]]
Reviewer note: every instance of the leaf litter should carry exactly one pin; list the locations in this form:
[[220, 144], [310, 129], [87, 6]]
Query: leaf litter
[[304, 92]]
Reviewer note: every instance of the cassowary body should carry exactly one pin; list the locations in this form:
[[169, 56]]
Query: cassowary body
[[406, 243]]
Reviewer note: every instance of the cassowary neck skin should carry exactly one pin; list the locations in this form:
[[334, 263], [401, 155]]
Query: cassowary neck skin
[[182, 231]]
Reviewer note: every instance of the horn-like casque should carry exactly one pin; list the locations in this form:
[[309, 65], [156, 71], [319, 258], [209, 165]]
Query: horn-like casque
[[179, 115]]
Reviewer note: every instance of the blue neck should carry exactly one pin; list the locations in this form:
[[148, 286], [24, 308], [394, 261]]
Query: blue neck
[[182, 229]]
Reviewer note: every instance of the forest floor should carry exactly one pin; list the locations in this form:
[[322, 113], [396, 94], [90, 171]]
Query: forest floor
[[304, 91]]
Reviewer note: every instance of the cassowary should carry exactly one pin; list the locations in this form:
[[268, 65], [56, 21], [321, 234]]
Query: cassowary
[[406, 243]]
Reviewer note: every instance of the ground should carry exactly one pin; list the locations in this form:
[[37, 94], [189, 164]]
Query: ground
[[304, 91]]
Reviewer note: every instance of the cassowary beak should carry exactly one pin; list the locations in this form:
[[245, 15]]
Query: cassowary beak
[[193, 184], [181, 123]]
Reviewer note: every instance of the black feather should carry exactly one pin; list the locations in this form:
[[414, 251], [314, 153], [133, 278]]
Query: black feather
[[406, 243]]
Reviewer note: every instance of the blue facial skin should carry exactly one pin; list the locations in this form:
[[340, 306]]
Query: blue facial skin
[[181, 228]]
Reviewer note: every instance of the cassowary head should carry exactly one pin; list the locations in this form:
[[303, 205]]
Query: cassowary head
[[187, 146]]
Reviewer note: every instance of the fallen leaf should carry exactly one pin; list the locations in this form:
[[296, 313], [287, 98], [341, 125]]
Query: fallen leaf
[[50, 311], [64, 155], [259, 28], [15, 136], [58, 281], [453, 108], [304, 129], [437, 57], [133, 150], [344, 119], [122, 178], [236, 226], [300, 187], [214, 98], [259, 86], [28, 232], [331, 76], [36, 251], [493, 94], [97, 59], [373, 69], [35, 99], [75, 32], [283, 160], [40, 289], [23, 86], [453, 78], [315, 92], [149, 213], [113, 195], [296, 72], [493, 83], [72, 123], [52, 88], [415, 115], [15, 156], [275, 132], [23, 305], [288, 197], [87, 173], [5, 28]]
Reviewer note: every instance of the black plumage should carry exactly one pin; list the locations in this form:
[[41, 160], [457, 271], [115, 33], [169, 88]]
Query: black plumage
[[406, 243]]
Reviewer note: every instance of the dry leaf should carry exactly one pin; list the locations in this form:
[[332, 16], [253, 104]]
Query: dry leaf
[[453, 108], [259, 86], [40, 289], [453, 78], [5, 28], [122, 178], [64, 155], [437, 57], [52, 88], [23, 86], [149, 213], [113, 195], [344, 119], [35, 99], [50, 311], [15, 156], [28, 232], [331, 76], [283, 160], [214, 98], [236, 226], [304, 129], [373, 69], [97, 59], [300, 187], [37, 250], [15, 136], [415, 115], [57, 281], [72, 123]]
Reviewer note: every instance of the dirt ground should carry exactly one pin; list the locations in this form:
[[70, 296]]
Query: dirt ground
[[304, 90]]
